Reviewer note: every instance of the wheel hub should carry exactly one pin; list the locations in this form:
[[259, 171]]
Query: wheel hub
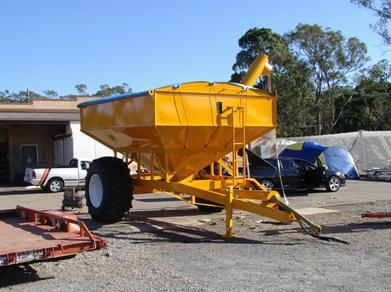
[[95, 190], [334, 184], [55, 186]]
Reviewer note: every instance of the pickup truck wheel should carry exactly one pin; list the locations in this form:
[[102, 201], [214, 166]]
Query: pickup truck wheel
[[108, 189], [55, 185], [208, 209]]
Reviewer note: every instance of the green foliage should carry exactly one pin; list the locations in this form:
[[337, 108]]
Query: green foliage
[[382, 9], [106, 90], [313, 70], [28, 95], [50, 94], [81, 89], [371, 109], [290, 78], [21, 96], [332, 59]]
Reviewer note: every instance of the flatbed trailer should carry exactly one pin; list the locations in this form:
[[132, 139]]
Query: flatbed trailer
[[28, 236]]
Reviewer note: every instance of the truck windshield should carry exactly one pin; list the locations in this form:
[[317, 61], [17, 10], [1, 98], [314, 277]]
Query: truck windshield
[[85, 165]]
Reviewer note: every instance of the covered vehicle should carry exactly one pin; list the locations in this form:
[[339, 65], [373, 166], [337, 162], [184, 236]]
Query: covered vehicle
[[295, 174], [334, 158]]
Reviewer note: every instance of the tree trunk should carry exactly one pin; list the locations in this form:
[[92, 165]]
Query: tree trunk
[[319, 120]]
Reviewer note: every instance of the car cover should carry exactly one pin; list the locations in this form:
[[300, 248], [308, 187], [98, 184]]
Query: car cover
[[335, 158]]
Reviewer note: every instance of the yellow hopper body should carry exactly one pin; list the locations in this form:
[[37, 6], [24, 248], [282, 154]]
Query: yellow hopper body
[[182, 122]]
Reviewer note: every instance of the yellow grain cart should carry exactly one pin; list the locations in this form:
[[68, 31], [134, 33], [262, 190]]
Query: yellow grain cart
[[177, 133]]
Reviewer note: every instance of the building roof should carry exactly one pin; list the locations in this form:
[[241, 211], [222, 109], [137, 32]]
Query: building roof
[[39, 116], [43, 110]]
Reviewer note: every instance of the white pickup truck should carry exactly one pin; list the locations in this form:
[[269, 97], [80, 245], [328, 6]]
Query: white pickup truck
[[54, 179]]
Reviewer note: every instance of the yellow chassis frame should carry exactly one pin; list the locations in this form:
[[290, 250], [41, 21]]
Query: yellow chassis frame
[[251, 197]]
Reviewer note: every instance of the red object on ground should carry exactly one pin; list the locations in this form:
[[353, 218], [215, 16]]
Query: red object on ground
[[375, 215], [28, 236]]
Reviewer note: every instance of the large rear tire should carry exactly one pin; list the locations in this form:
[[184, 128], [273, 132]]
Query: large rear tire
[[108, 189], [208, 209]]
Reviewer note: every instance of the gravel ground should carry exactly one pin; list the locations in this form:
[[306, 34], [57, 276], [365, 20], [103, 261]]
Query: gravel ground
[[147, 254]]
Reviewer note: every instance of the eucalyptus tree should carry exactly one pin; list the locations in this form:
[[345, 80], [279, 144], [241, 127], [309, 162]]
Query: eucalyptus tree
[[332, 59]]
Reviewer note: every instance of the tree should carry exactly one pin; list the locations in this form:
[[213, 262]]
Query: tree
[[81, 89], [290, 78], [382, 9], [372, 107], [106, 90], [50, 93], [261, 41], [332, 59], [21, 96]]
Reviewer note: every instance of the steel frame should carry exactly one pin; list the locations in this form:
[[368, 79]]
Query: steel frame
[[61, 243], [236, 191]]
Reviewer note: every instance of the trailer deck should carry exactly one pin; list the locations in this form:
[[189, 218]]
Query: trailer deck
[[28, 235]]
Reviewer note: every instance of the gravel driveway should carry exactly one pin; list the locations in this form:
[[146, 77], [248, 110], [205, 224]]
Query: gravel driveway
[[148, 252]]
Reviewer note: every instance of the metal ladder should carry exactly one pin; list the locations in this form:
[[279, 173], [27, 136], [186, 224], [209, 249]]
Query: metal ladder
[[237, 144]]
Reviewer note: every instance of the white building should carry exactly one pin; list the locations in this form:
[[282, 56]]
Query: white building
[[42, 133]]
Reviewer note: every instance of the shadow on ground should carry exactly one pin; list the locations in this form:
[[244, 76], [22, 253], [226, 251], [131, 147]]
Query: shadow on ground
[[137, 223], [16, 275], [357, 227]]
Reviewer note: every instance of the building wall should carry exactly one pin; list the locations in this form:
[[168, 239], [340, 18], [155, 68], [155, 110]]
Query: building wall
[[58, 137], [84, 146], [22, 134]]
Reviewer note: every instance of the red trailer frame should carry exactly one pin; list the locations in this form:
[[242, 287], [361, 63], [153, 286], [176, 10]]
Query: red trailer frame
[[375, 215], [27, 236]]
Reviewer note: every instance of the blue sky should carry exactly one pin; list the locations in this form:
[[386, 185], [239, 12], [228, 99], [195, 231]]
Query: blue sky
[[55, 44]]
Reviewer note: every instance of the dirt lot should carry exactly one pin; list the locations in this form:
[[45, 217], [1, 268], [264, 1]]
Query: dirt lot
[[165, 245]]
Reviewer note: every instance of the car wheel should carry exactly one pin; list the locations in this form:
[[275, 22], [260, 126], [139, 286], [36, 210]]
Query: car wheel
[[267, 184], [333, 184], [55, 185]]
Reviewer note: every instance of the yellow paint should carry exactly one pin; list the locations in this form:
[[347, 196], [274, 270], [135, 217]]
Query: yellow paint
[[229, 213], [180, 122], [259, 67]]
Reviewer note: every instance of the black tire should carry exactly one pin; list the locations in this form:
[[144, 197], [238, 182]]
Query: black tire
[[115, 192], [208, 209], [267, 184], [54, 185], [333, 184]]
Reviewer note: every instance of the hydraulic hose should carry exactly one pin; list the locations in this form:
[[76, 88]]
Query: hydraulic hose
[[308, 227]]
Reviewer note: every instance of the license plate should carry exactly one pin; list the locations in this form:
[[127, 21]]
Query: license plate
[[28, 256]]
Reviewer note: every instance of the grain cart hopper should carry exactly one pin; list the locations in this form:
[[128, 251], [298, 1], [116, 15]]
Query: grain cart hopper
[[176, 132]]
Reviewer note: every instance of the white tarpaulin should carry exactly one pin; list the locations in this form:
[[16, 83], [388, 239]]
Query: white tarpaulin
[[368, 148]]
